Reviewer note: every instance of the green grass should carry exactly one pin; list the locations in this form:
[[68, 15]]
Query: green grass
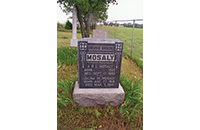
[[69, 116], [128, 116], [124, 34], [63, 37], [66, 55], [65, 42], [63, 30], [66, 30], [133, 103]]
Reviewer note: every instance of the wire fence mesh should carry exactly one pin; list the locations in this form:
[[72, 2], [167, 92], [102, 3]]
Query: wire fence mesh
[[132, 47]]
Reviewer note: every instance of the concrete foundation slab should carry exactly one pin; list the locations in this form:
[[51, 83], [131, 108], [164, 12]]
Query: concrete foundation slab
[[98, 96]]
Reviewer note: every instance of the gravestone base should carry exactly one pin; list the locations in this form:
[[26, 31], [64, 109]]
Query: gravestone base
[[74, 42], [98, 96]]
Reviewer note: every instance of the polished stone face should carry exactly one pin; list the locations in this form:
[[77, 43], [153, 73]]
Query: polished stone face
[[99, 62]]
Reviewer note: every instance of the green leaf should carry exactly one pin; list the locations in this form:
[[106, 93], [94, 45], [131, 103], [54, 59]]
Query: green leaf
[[111, 111], [62, 101], [97, 113], [121, 110]]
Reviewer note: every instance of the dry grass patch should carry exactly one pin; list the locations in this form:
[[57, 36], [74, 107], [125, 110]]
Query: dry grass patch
[[65, 42], [130, 69], [65, 72]]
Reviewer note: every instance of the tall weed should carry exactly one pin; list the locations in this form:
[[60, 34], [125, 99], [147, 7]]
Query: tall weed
[[65, 96], [133, 103]]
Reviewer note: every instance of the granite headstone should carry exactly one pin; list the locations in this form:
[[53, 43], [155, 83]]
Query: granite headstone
[[99, 62], [99, 33], [99, 65]]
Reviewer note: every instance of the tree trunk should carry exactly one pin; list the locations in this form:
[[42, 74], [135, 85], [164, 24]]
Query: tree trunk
[[88, 25], [85, 25], [80, 21]]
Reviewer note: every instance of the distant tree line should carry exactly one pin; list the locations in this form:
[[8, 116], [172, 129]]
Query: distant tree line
[[129, 25], [68, 25]]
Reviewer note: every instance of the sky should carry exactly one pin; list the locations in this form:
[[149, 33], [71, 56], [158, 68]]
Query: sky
[[125, 10]]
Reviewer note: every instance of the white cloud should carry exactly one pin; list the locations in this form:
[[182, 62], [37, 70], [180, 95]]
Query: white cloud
[[126, 10], [61, 16]]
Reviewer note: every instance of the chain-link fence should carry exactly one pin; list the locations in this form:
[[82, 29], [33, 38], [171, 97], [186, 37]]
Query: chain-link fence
[[131, 36]]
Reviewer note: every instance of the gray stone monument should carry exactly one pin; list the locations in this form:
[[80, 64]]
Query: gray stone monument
[[99, 65], [99, 33], [74, 39]]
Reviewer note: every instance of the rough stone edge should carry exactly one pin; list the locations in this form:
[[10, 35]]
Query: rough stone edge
[[97, 96]]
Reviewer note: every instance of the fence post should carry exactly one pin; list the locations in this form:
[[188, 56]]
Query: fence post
[[132, 37], [107, 27], [115, 28]]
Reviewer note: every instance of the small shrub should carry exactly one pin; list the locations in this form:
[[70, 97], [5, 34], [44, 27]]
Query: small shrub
[[68, 25], [58, 25]]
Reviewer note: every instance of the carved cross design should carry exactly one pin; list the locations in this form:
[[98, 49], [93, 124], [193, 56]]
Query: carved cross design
[[83, 46], [118, 47]]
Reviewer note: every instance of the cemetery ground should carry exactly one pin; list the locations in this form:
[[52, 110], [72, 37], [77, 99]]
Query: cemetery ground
[[128, 116]]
